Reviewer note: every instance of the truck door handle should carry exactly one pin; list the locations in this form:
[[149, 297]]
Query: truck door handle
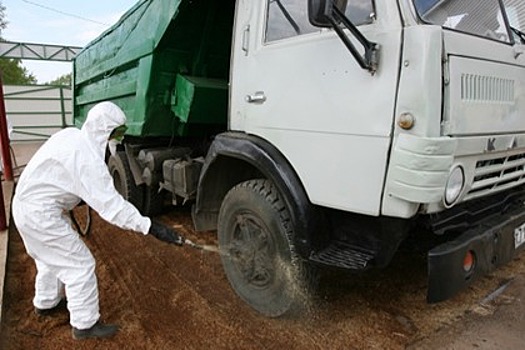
[[246, 39], [258, 97]]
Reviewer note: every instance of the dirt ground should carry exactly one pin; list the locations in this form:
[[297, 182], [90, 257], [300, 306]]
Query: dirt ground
[[167, 297]]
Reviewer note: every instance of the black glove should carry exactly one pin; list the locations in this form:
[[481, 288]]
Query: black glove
[[166, 234]]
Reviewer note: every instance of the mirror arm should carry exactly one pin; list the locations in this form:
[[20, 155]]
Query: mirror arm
[[370, 59]]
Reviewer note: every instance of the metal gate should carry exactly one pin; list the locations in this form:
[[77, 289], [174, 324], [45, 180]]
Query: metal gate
[[35, 112]]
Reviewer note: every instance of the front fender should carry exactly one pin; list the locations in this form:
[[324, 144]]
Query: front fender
[[236, 157]]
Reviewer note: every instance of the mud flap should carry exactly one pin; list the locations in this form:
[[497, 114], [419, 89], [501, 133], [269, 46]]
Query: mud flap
[[492, 243]]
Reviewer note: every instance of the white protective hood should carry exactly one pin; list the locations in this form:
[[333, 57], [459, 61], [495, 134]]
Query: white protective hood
[[100, 122]]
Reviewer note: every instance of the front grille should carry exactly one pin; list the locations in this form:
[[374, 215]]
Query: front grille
[[497, 174]]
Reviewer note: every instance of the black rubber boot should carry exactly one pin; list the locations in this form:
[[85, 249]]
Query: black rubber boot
[[99, 330], [61, 306]]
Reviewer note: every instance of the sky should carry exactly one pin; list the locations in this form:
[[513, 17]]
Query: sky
[[59, 22]]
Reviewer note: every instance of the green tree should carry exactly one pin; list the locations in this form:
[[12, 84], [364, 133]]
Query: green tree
[[3, 22], [61, 80], [13, 72]]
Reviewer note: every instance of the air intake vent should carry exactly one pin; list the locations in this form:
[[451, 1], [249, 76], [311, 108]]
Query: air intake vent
[[479, 88], [495, 174]]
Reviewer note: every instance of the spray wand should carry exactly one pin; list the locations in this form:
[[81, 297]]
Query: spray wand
[[192, 244], [205, 247]]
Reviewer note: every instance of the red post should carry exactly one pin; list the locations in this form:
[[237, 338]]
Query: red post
[[6, 156], [4, 138], [3, 217]]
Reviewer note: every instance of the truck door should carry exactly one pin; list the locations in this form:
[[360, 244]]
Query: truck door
[[298, 87]]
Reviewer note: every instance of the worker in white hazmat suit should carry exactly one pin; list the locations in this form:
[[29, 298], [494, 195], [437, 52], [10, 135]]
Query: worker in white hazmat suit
[[69, 168]]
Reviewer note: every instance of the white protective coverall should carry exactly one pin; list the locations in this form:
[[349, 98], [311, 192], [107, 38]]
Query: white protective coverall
[[67, 168]]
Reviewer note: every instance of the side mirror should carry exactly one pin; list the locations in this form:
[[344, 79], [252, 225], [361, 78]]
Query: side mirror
[[320, 11], [331, 14]]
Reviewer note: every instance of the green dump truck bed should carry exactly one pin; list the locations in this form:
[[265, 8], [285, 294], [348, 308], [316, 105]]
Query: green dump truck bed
[[165, 63]]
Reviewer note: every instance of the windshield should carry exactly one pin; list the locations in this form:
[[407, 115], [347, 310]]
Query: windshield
[[483, 18], [516, 14]]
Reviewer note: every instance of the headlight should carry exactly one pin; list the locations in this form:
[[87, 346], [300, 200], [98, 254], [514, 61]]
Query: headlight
[[455, 183]]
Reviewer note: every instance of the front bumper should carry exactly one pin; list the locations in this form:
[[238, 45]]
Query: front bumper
[[492, 243]]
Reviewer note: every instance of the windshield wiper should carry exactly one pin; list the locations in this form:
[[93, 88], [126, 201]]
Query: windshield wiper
[[519, 33]]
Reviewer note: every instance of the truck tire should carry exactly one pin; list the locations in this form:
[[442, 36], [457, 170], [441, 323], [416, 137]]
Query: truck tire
[[255, 238], [123, 180]]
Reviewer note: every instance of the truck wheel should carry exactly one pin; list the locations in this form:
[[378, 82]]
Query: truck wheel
[[123, 180], [255, 238]]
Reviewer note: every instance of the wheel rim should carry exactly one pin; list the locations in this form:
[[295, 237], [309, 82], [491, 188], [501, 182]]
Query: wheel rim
[[252, 251]]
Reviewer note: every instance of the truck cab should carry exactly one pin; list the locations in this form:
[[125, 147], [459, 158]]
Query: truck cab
[[323, 133]]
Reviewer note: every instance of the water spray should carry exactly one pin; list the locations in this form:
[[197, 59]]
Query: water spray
[[190, 243], [206, 247]]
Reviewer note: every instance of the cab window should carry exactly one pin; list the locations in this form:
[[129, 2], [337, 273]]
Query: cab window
[[289, 18]]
